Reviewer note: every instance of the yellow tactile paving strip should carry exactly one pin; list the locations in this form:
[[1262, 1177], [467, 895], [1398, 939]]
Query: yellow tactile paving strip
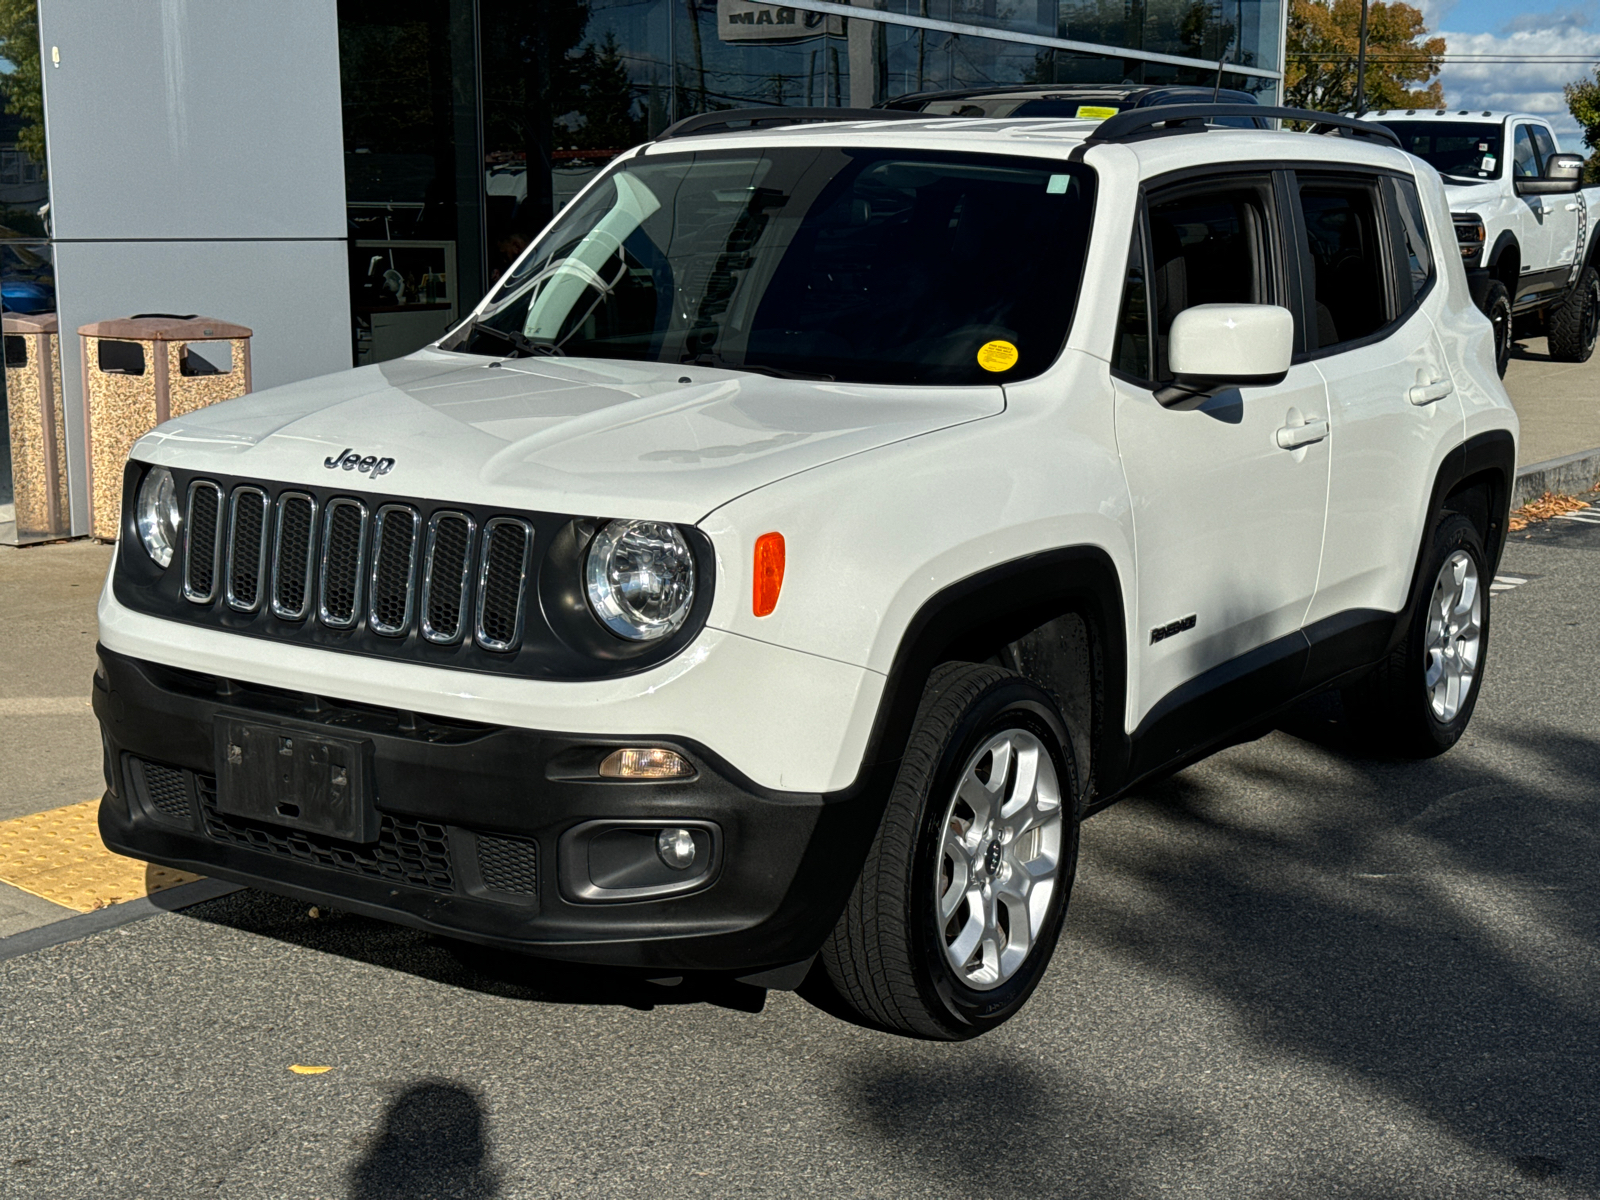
[[58, 856]]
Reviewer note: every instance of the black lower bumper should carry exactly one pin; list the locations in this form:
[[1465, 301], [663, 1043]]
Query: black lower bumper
[[483, 832]]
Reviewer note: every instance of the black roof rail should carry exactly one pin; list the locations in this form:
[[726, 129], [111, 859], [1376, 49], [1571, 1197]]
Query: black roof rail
[[1191, 118], [735, 120]]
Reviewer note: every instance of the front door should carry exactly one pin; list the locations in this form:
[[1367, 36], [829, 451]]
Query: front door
[[1535, 234], [1228, 499]]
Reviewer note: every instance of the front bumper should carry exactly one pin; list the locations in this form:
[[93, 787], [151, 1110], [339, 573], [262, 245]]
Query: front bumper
[[480, 828]]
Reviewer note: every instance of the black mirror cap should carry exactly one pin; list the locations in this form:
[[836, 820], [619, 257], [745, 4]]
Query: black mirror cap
[[1189, 392]]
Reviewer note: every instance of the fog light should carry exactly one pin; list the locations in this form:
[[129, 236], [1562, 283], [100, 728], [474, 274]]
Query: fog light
[[653, 763], [676, 848]]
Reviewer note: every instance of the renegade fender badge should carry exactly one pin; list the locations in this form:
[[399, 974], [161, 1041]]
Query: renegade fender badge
[[1161, 632], [351, 461]]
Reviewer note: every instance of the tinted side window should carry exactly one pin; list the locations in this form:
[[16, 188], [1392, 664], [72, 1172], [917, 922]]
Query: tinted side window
[[1543, 143], [1208, 247], [1416, 256], [1133, 326], [1524, 159], [1344, 241]]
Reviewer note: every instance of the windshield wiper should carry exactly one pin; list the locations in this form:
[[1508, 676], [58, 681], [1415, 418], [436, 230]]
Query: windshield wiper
[[517, 340], [716, 360]]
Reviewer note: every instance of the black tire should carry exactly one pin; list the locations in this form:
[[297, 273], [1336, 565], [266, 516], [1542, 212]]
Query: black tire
[[1392, 710], [1497, 307], [886, 959], [1575, 322]]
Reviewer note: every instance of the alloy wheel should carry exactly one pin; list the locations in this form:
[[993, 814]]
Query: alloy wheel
[[1454, 637], [999, 858]]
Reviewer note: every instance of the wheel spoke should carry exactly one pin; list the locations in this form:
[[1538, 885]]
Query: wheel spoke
[[1023, 792], [951, 900], [967, 940]]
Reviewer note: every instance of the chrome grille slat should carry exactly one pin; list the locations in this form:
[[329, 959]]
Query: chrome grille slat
[[447, 576], [247, 547], [394, 560], [344, 544], [293, 555], [502, 583], [202, 542]]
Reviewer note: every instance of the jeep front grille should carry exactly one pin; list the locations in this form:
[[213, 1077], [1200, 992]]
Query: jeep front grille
[[344, 565]]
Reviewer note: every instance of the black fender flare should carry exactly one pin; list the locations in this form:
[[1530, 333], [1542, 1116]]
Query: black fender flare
[[979, 614], [1492, 456], [1506, 241]]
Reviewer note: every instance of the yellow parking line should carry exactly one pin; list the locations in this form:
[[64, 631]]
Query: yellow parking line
[[58, 856]]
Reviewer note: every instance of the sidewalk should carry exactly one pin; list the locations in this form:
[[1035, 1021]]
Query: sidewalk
[[49, 743], [1557, 403]]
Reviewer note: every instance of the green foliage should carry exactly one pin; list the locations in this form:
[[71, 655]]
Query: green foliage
[[24, 87], [1583, 102], [1324, 37]]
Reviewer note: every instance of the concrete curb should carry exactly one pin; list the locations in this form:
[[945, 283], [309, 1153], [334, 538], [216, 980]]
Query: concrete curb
[[83, 924], [1571, 473]]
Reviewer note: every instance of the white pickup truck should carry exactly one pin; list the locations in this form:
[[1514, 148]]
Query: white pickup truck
[[1522, 221]]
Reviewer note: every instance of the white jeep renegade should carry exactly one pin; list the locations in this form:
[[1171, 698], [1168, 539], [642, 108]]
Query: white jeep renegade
[[815, 524]]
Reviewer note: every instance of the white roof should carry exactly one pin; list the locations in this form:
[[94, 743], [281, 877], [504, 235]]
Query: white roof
[[1048, 137]]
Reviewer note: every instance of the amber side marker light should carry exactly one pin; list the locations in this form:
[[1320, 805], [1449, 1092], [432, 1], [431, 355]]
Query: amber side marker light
[[768, 573], [651, 763]]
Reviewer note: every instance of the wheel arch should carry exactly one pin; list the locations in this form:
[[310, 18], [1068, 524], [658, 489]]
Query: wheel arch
[[1505, 261], [1057, 618], [1474, 480]]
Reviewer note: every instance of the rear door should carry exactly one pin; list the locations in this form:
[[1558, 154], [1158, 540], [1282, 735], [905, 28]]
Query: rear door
[[1371, 277], [1228, 524]]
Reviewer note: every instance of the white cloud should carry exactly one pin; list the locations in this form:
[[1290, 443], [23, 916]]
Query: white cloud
[[1527, 86]]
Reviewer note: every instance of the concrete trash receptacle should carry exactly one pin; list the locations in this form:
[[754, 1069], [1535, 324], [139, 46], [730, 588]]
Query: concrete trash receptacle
[[38, 426], [139, 371]]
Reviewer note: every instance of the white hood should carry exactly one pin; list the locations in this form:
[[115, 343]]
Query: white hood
[[594, 437], [1465, 197]]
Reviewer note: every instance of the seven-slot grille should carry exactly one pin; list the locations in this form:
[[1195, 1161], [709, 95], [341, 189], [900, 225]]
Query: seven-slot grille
[[341, 563]]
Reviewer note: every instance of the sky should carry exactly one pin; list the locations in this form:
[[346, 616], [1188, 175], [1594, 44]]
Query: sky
[[1517, 27]]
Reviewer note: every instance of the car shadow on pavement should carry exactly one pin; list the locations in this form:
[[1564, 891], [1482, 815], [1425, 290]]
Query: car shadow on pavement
[[1428, 929], [502, 973], [431, 1144]]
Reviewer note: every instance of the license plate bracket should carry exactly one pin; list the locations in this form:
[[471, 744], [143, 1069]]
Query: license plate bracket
[[303, 780]]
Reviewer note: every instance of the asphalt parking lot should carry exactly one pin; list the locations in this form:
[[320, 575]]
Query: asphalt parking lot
[[1288, 971]]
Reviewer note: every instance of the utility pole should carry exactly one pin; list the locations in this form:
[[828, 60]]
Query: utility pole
[[1361, 63]]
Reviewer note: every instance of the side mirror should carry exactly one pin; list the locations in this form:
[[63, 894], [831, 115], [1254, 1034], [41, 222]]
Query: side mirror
[[1562, 174], [1214, 347]]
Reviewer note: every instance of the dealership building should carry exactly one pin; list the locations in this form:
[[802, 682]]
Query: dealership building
[[346, 178]]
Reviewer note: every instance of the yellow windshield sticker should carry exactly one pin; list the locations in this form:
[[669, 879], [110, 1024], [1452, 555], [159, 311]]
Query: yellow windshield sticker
[[1097, 112], [997, 356]]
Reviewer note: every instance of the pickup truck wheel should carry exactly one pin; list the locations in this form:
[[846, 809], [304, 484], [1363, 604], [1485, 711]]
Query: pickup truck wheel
[[956, 912], [1419, 700], [1497, 307], [1575, 324]]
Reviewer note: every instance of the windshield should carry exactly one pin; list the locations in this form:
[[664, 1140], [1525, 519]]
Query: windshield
[[858, 265], [1465, 149]]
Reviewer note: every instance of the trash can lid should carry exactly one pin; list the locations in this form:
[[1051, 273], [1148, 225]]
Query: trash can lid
[[164, 327], [29, 323]]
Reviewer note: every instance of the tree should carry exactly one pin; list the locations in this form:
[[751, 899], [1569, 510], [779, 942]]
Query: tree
[[1583, 102], [1324, 37], [24, 86]]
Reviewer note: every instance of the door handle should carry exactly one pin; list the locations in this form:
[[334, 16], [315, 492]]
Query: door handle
[[1292, 437], [1427, 393], [1574, 207]]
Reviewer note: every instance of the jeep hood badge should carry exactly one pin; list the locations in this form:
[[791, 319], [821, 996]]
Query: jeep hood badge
[[351, 461]]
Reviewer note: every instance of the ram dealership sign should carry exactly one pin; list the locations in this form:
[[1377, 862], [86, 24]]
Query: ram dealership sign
[[741, 21]]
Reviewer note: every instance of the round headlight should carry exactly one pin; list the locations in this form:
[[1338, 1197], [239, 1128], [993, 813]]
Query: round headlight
[[157, 515], [641, 579]]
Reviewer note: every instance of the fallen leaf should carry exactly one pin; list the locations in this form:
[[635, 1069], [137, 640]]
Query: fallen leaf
[[299, 1070]]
